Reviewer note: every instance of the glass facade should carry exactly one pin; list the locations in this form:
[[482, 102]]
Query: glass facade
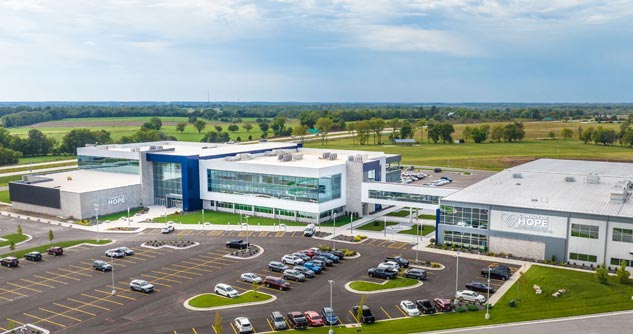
[[167, 184], [466, 240], [585, 231], [294, 188], [623, 235], [465, 217], [618, 262], [398, 196], [583, 257], [113, 165]]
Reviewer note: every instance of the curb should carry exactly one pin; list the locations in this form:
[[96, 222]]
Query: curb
[[201, 309], [170, 246], [419, 284], [28, 238]]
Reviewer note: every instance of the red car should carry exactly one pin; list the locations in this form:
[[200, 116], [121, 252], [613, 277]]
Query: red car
[[274, 282], [314, 319], [443, 305], [55, 251], [309, 252]]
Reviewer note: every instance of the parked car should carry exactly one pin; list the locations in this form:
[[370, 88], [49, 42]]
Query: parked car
[[101, 265], [250, 278], [425, 306], [277, 266], [237, 244], [381, 273], [479, 287], [305, 271], [10, 261], [328, 262], [404, 263], [500, 267], [309, 252], [141, 285], [126, 250], [33, 256], [329, 316], [276, 283], [55, 251], [437, 170], [314, 319], [313, 266], [338, 253], [292, 259], [496, 273], [225, 290], [297, 320], [243, 325], [278, 321], [295, 275], [409, 308], [115, 253], [331, 256], [366, 316], [309, 231], [443, 304], [304, 257], [320, 263], [416, 273], [389, 265], [167, 229], [470, 296]]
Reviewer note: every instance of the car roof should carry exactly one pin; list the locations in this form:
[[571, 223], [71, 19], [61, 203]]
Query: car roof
[[311, 313]]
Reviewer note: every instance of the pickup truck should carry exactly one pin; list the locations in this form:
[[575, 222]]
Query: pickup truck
[[382, 273], [366, 316]]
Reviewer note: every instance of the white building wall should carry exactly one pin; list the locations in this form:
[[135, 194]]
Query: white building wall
[[586, 245], [618, 249]]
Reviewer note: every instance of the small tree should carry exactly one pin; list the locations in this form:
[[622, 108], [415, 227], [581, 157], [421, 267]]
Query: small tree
[[51, 236], [255, 287], [11, 325], [12, 247], [602, 274], [19, 229], [520, 281], [180, 127], [622, 274], [217, 323], [359, 313], [199, 125]]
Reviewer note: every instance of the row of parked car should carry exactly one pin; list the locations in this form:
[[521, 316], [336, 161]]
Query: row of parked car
[[12, 261], [391, 267], [411, 176]]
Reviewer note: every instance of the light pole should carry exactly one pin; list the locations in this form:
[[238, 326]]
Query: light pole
[[351, 221], [331, 284], [384, 226], [488, 299], [333, 239], [97, 219], [246, 230], [456, 274], [417, 241], [112, 270], [203, 216], [128, 216]]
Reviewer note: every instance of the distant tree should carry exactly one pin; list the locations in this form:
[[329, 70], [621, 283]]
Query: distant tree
[[19, 229], [51, 236], [622, 274], [324, 124], [351, 129], [580, 133], [233, 128], [434, 132], [250, 137], [406, 131], [566, 133], [602, 274], [514, 132], [37, 143], [377, 125], [264, 126], [587, 135], [218, 128], [80, 137], [248, 127], [395, 125], [199, 125], [551, 135], [9, 156], [497, 133], [157, 123], [467, 133], [308, 118], [480, 134], [278, 125], [421, 124], [446, 131], [180, 127], [215, 137], [192, 119], [238, 139], [300, 131], [363, 129]]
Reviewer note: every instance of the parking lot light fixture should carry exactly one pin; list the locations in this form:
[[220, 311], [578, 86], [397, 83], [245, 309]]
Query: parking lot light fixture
[[333, 238], [457, 274], [331, 284], [488, 299], [128, 216], [97, 219], [246, 229], [112, 264]]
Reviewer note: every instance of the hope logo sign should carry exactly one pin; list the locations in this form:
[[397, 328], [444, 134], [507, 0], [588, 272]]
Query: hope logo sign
[[116, 200], [536, 223]]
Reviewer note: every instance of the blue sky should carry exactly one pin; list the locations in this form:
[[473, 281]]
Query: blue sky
[[311, 50]]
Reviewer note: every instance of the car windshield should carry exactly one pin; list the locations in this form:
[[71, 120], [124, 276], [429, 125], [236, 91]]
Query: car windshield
[[142, 282], [278, 318], [229, 289], [410, 306]]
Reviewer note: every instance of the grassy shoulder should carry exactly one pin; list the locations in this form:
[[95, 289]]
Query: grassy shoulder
[[399, 282], [4, 196], [223, 218], [375, 226], [64, 244], [213, 300], [584, 296], [426, 229], [15, 237], [401, 213]]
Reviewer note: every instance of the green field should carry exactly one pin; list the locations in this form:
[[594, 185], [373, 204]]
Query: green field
[[376, 225], [399, 282], [212, 300], [401, 213], [431, 217], [44, 158], [117, 215], [22, 168], [223, 218], [4, 196], [64, 244], [15, 237], [584, 296], [426, 229]]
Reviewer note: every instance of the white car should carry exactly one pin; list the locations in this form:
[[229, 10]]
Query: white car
[[391, 265], [292, 259], [470, 296], [225, 290], [243, 325], [409, 308], [167, 229], [126, 250], [250, 278], [141, 285]]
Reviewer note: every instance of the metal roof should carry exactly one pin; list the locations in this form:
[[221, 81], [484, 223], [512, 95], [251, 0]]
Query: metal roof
[[556, 185]]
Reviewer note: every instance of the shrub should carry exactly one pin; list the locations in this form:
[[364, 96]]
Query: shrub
[[622, 273], [432, 240], [472, 308], [427, 262], [509, 255], [602, 274], [460, 309], [357, 238], [445, 247], [502, 254], [324, 247], [348, 252], [435, 265], [362, 237]]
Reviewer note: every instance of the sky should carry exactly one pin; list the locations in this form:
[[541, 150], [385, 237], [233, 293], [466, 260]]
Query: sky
[[317, 50]]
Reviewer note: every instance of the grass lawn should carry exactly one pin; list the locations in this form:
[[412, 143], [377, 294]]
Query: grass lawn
[[115, 216], [63, 244], [426, 229], [15, 237], [23, 168], [4, 180], [340, 221], [212, 300], [45, 158], [431, 217], [222, 218], [4, 196], [399, 282], [401, 213], [584, 296], [373, 227]]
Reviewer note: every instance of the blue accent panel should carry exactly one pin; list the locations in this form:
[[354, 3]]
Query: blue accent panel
[[375, 166], [190, 178], [437, 224]]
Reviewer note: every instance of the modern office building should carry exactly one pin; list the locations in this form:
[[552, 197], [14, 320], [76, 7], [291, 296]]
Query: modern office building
[[575, 211]]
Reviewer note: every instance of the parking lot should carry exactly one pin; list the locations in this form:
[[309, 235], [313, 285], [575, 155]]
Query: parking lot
[[65, 295]]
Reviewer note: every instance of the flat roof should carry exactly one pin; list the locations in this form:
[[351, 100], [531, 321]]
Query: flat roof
[[557, 185], [85, 180], [312, 158]]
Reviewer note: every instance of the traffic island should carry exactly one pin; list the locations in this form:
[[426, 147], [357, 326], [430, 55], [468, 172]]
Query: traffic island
[[173, 244], [211, 301], [251, 252], [366, 287]]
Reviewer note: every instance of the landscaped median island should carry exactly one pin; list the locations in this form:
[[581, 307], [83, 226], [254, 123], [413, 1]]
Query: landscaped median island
[[63, 244], [398, 282], [426, 229], [211, 301], [17, 238]]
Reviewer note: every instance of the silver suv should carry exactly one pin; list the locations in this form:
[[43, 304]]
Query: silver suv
[[141, 285], [101, 265]]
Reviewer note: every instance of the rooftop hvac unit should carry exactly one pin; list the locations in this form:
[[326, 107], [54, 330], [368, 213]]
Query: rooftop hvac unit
[[326, 155], [233, 158], [570, 179], [350, 158], [245, 156], [517, 176], [298, 156], [593, 178], [270, 153], [333, 156]]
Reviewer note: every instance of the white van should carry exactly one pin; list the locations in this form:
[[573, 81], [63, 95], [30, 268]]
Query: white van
[[309, 230], [225, 290]]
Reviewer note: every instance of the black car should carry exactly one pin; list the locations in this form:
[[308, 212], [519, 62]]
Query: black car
[[10, 261], [237, 244], [425, 306], [331, 256], [33, 256], [381, 273], [416, 273], [437, 170], [404, 263], [297, 320], [496, 273], [501, 267], [277, 266], [324, 259], [479, 287], [338, 253], [366, 316]]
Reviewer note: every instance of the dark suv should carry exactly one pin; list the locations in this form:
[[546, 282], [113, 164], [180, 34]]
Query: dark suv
[[276, 283], [366, 316], [297, 320], [496, 273], [237, 244], [55, 251], [425, 306], [381, 273], [277, 266], [10, 261], [33, 256]]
